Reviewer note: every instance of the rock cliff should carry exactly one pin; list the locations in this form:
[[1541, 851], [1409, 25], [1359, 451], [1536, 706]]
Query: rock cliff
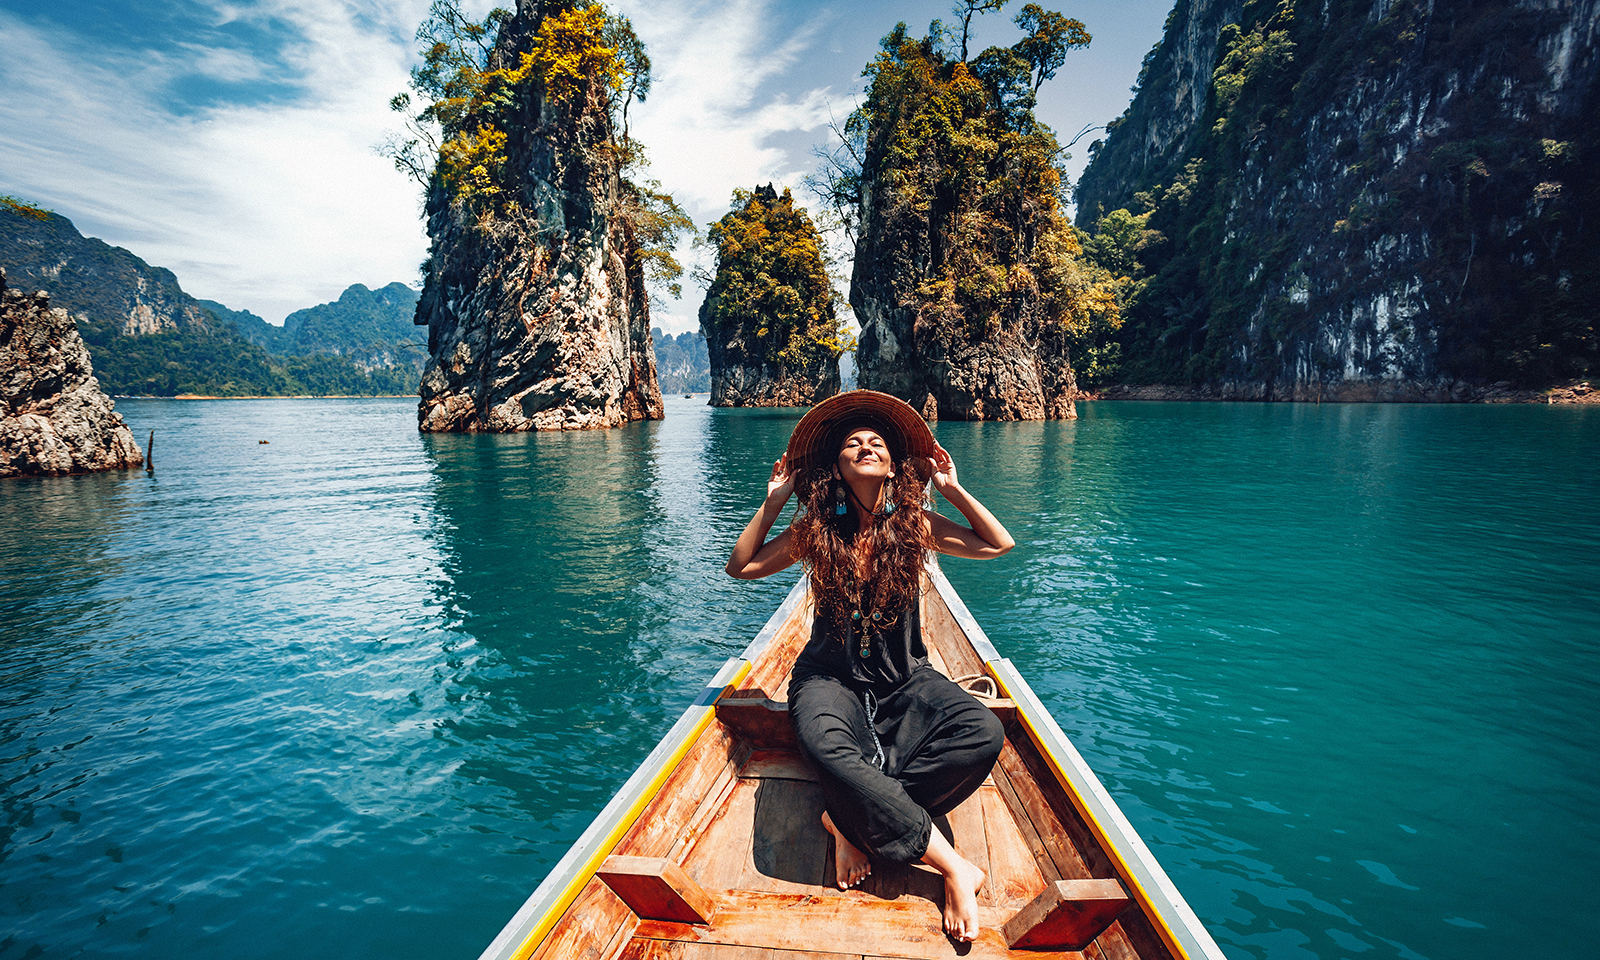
[[969, 285], [370, 328], [535, 301], [94, 281], [53, 417], [770, 329], [1362, 199]]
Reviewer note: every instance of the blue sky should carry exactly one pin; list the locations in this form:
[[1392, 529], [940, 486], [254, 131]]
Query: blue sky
[[232, 142]]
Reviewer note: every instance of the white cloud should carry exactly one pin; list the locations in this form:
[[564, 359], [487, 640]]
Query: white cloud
[[277, 205], [714, 108], [269, 207]]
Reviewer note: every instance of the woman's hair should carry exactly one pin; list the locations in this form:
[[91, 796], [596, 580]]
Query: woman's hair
[[830, 545]]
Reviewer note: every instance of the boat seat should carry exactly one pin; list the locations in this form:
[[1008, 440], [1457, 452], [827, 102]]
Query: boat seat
[[1068, 915], [655, 888], [764, 723]]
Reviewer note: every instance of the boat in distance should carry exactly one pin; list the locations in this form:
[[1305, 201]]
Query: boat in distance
[[714, 848]]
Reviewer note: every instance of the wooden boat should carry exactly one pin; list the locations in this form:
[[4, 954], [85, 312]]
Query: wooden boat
[[713, 849]]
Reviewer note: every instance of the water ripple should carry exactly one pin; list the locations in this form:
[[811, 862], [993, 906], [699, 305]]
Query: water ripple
[[357, 689]]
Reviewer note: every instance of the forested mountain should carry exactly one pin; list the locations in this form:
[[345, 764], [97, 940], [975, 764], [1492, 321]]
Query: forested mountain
[[115, 291], [682, 362], [147, 337], [1357, 199], [268, 336], [769, 317], [373, 328]]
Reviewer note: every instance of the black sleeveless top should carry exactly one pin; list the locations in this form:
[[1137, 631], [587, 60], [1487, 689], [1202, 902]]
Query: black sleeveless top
[[892, 653]]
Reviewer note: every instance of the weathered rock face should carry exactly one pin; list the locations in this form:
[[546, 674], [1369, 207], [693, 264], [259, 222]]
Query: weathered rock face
[[539, 320], [1376, 199], [771, 334], [1147, 144], [740, 385], [969, 283], [53, 417], [1010, 372], [92, 279]]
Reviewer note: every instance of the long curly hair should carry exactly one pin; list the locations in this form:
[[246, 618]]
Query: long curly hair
[[879, 568]]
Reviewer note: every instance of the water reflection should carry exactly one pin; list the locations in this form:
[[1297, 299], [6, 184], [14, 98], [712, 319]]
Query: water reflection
[[581, 576], [542, 553]]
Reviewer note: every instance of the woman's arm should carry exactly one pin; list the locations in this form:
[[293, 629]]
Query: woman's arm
[[754, 556], [985, 539]]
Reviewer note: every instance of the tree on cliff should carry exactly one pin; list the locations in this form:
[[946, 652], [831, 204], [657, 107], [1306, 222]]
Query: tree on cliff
[[769, 315], [539, 238], [457, 139], [974, 297]]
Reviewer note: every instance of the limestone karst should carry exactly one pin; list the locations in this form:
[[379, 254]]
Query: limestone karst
[[54, 419], [769, 319], [1359, 199], [535, 301]]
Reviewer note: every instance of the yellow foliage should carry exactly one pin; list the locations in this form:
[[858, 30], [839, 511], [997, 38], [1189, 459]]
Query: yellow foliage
[[23, 208], [570, 49], [472, 163]]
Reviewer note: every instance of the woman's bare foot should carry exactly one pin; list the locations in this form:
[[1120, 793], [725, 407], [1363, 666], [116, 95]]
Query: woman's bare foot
[[850, 865], [962, 881]]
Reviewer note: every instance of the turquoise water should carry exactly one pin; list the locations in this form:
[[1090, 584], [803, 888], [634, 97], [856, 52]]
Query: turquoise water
[[351, 693]]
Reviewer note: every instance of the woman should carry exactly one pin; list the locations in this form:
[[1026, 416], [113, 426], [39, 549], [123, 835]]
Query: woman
[[896, 743]]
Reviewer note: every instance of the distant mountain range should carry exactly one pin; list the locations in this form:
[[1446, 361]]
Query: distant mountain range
[[147, 337], [683, 365]]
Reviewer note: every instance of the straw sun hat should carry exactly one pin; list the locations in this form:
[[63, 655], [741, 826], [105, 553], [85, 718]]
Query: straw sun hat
[[821, 432]]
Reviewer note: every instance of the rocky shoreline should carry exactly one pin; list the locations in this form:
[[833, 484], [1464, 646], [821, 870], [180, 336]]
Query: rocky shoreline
[[54, 419], [1576, 392]]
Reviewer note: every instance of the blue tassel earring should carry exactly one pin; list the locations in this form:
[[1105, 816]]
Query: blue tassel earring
[[841, 509]]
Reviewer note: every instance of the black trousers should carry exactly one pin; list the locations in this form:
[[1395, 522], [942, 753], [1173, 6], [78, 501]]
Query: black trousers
[[938, 744]]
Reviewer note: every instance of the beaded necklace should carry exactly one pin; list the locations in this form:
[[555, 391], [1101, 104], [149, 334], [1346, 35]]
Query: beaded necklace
[[864, 625]]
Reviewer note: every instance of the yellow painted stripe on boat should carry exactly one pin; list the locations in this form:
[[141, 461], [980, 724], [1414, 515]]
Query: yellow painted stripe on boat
[[559, 907], [1101, 834]]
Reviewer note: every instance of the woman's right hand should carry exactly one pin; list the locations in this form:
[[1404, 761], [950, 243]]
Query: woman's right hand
[[754, 556], [782, 480]]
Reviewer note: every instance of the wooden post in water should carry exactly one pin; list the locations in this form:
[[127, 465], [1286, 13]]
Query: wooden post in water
[[149, 454]]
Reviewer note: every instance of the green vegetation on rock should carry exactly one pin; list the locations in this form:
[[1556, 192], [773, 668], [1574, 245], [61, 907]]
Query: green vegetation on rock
[[956, 189], [770, 301], [473, 99], [1404, 197]]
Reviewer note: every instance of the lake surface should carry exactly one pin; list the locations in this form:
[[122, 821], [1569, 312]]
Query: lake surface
[[351, 693]]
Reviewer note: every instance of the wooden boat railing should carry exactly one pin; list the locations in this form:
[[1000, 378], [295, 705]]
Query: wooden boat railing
[[759, 668]]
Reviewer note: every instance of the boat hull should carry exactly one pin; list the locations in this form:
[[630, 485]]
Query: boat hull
[[721, 821]]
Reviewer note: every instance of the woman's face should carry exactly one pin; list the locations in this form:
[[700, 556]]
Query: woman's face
[[865, 455]]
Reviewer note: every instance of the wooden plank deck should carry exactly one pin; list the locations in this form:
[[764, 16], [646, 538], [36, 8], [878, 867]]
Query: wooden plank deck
[[742, 818]]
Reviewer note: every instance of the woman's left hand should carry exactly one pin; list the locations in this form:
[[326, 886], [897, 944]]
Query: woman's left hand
[[944, 469]]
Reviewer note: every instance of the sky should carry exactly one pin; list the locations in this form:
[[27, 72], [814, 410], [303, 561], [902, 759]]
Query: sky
[[232, 141]]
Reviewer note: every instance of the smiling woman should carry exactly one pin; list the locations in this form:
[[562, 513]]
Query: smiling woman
[[895, 741]]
